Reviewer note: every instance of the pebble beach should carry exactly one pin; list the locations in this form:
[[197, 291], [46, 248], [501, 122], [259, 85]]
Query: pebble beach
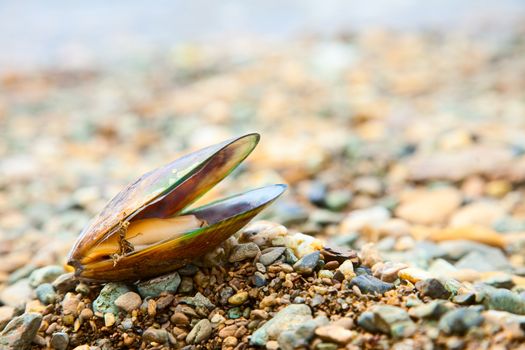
[[403, 226]]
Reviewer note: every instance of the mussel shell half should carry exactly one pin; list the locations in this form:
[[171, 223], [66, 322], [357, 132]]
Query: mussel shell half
[[224, 218], [165, 191]]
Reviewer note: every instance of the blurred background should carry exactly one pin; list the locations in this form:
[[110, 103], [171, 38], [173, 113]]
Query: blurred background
[[358, 104]]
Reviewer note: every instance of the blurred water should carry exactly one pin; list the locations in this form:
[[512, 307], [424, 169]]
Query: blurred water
[[55, 31]]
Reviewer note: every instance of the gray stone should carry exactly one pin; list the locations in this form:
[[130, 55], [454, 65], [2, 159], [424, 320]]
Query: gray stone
[[300, 337], [46, 293], [307, 264], [65, 283], [186, 285], [159, 336], [288, 319], [503, 300], [20, 273], [370, 284], [244, 251], [154, 287], [464, 299], [259, 280], [199, 301], [387, 319], [200, 332], [433, 310], [105, 302], [46, 274], [432, 288], [188, 270], [271, 255], [459, 321], [289, 257], [20, 331], [493, 260], [59, 341]]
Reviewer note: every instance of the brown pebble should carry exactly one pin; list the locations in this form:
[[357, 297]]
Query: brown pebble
[[180, 319], [152, 308], [331, 265], [227, 331], [230, 341]]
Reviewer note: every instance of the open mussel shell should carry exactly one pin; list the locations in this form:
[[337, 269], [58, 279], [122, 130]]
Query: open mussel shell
[[224, 218], [164, 192]]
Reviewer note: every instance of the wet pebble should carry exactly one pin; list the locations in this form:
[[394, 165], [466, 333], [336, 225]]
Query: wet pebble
[[154, 287]]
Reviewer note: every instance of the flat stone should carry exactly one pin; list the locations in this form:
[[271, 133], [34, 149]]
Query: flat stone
[[244, 251], [19, 333], [362, 218], [459, 321], [273, 254], [154, 287], [370, 284], [200, 332], [307, 264], [289, 318]]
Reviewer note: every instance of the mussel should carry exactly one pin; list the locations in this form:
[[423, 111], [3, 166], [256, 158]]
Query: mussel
[[148, 230]]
